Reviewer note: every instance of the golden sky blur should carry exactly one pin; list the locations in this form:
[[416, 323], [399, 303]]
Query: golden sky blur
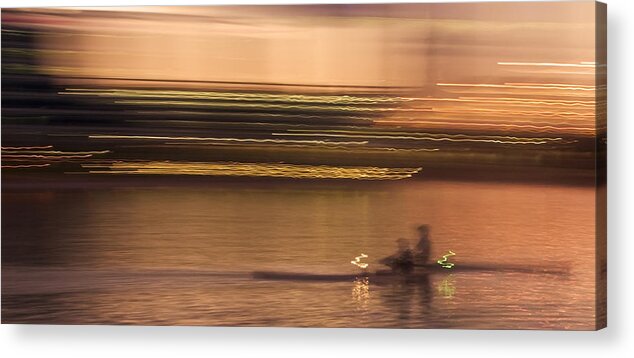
[[527, 66]]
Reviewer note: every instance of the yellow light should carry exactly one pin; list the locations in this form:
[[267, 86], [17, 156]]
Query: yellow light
[[447, 288], [444, 261], [357, 261], [279, 170]]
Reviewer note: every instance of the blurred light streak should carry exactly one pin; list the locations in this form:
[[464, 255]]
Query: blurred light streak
[[36, 156], [279, 170], [550, 84], [237, 96], [539, 101], [509, 101], [24, 166], [28, 148], [492, 126], [42, 156], [253, 105], [55, 152], [551, 71], [527, 86], [438, 135], [549, 64], [244, 140], [322, 147], [439, 138], [499, 118], [517, 113]]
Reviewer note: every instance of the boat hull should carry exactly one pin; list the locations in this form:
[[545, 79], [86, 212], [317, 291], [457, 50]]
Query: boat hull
[[421, 272]]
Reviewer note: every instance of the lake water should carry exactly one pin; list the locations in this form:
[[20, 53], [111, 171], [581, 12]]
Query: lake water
[[183, 255]]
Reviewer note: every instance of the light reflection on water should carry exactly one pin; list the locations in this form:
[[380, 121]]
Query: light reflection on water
[[361, 292], [447, 287], [182, 255]]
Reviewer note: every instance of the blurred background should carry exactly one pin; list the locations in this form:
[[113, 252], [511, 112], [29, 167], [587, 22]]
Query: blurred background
[[461, 90]]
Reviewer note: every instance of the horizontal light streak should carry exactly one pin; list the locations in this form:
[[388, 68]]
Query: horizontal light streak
[[235, 96], [520, 92], [554, 71], [42, 156], [390, 132], [550, 84], [483, 117], [242, 140], [38, 156], [549, 64], [55, 152], [589, 115], [537, 101], [493, 126], [254, 105], [241, 100], [28, 148], [330, 147], [497, 118], [18, 166], [277, 170], [494, 120], [436, 138], [526, 86]]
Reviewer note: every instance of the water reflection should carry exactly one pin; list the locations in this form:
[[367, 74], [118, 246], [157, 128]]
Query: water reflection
[[447, 288], [361, 293], [409, 296]]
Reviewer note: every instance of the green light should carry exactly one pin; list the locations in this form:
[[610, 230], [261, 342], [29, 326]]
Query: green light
[[447, 288], [444, 261]]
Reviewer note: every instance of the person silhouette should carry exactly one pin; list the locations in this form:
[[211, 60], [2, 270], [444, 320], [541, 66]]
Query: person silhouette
[[423, 247], [403, 260]]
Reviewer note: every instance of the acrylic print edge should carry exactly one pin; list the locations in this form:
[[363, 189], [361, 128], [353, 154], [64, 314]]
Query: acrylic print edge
[[601, 166]]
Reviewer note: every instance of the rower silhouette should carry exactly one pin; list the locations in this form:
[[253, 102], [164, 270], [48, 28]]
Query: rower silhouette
[[406, 258], [423, 248], [403, 260]]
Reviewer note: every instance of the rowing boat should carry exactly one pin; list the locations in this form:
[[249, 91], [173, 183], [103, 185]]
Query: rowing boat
[[421, 272]]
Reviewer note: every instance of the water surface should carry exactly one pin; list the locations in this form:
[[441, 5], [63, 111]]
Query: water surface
[[183, 255]]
